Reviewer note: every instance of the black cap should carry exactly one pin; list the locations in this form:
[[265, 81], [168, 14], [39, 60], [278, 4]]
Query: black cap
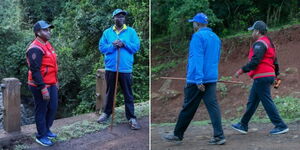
[[259, 25], [41, 25]]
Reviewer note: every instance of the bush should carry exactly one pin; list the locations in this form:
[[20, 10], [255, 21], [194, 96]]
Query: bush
[[179, 15], [78, 27], [289, 107]]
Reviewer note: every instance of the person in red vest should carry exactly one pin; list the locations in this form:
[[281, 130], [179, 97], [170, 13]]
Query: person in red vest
[[263, 68], [42, 80]]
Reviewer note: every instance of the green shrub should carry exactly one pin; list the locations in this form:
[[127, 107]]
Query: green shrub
[[78, 27], [289, 107]]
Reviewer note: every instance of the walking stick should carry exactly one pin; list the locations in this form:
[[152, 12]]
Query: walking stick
[[174, 78], [116, 88]]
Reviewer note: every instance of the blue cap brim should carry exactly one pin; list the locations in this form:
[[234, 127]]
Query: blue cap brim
[[191, 20], [48, 26], [121, 12], [250, 28]]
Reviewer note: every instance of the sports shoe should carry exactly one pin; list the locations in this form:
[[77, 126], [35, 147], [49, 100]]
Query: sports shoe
[[134, 125], [240, 128], [51, 135], [279, 131], [103, 118], [217, 141], [44, 141], [172, 138]]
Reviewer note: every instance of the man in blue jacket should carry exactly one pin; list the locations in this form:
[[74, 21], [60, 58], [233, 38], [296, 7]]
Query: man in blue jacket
[[202, 77], [124, 38]]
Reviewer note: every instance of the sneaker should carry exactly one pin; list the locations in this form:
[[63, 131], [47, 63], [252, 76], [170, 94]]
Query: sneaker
[[240, 128], [51, 135], [44, 141], [103, 118], [279, 131], [172, 138], [217, 141], [134, 124]]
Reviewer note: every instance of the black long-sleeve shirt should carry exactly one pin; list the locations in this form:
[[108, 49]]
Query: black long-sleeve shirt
[[35, 57], [259, 49]]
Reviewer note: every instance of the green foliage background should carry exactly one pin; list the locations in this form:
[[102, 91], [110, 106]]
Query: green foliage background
[[169, 18], [78, 27]]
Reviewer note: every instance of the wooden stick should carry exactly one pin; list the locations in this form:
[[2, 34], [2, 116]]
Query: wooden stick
[[115, 92], [175, 78]]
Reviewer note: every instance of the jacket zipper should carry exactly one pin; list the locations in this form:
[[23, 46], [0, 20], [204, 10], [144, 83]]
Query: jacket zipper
[[46, 71]]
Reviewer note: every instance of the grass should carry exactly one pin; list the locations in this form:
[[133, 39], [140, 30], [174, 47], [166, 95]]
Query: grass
[[165, 66], [222, 88], [226, 78], [195, 123], [81, 128], [289, 107], [21, 147], [248, 34]]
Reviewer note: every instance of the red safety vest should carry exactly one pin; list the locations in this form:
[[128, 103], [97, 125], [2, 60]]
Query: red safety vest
[[49, 67], [266, 67]]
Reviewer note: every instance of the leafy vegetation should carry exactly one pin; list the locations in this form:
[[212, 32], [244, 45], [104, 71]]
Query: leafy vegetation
[[289, 107], [78, 27], [226, 18], [165, 66]]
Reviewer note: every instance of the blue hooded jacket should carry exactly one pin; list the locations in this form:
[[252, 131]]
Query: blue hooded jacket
[[131, 45], [204, 57]]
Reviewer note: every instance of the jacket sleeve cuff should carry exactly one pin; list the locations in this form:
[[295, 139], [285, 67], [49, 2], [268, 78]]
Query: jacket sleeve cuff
[[245, 69], [199, 82]]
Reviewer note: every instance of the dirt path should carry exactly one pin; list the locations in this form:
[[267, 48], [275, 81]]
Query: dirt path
[[196, 137], [122, 137]]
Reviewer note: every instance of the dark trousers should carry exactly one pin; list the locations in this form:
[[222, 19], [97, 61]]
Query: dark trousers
[[125, 81], [45, 110], [192, 99], [261, 91]]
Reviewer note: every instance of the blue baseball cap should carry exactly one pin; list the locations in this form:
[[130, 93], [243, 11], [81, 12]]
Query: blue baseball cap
[[118, 11], [200, 18], [41, 25]]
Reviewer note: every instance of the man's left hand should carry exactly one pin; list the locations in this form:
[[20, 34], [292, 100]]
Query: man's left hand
[[277, 82]]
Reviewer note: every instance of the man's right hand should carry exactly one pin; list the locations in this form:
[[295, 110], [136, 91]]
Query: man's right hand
[[118, 44], [238, 73], [115, 43], [201, 87], [45, 94]]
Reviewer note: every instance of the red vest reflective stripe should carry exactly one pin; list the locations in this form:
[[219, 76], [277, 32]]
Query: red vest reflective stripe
[[49, 66], [266, 67]]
